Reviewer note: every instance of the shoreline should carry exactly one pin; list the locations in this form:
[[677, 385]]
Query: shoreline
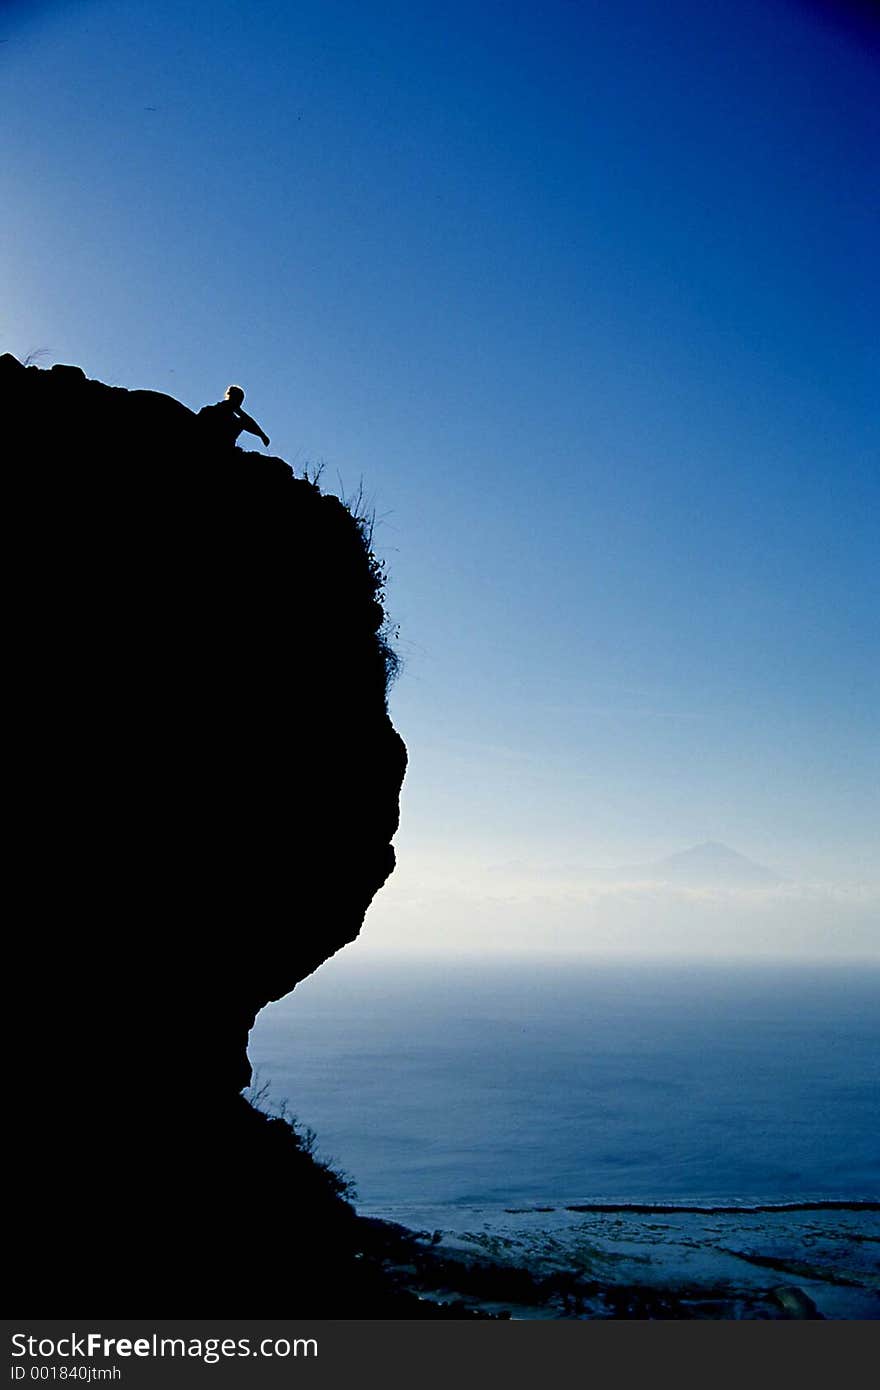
[[701, 1209], [804, 1260]]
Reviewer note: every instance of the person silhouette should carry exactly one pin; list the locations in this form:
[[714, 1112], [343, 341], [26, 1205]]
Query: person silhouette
[[227, 419]]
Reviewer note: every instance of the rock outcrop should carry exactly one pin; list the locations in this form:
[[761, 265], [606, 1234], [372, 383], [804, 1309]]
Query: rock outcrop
[[206, 787]]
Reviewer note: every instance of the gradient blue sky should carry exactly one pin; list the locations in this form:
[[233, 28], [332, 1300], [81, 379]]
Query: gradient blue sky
[[587, 296]]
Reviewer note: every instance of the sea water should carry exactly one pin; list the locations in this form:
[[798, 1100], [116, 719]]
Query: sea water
[[505, 1083]]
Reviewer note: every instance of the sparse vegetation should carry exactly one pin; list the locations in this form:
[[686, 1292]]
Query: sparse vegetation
[[333, 1181], [35, 355], [312, 474], [362, 508]]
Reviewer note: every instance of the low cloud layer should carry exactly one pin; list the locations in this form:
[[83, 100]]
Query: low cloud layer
[[526, 909]]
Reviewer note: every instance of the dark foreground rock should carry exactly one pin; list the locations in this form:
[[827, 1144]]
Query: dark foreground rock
[[205, 786]]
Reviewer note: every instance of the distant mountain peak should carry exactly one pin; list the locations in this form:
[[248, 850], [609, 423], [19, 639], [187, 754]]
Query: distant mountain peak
[[710, 864]]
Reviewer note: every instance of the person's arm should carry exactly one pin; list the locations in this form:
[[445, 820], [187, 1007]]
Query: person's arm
[[251, 427]]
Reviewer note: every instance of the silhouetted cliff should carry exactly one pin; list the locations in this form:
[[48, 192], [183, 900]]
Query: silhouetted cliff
[[207, 786]]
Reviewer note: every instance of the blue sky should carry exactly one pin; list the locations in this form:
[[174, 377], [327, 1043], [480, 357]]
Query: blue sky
[[586, 296]]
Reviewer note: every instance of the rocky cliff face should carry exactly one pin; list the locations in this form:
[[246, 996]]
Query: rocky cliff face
[[207, 786]]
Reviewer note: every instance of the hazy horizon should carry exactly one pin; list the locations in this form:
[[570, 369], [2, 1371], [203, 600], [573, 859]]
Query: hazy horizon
[[558, 909]]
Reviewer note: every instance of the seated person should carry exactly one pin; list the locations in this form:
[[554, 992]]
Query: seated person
[[227, 419]]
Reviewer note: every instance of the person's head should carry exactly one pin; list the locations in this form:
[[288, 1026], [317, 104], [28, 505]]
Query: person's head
[[234, 395]]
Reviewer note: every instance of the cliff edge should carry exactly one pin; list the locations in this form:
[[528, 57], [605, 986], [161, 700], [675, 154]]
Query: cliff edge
[[206, 786]]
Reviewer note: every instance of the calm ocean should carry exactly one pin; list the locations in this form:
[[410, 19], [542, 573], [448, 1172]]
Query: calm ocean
[[501, 1083]]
